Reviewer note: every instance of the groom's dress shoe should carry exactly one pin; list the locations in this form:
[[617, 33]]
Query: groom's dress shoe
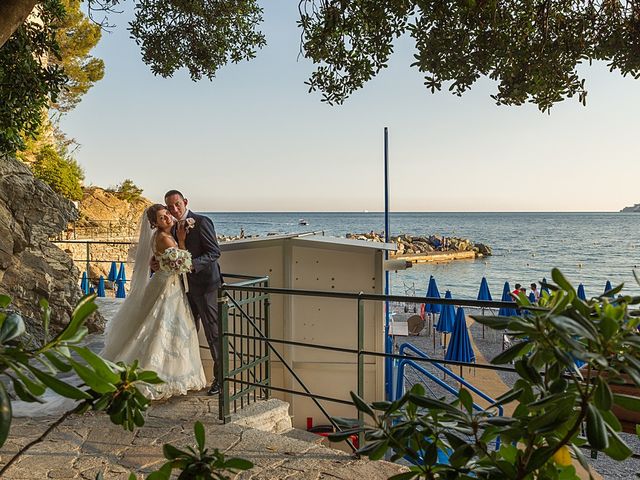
[[214, 389]]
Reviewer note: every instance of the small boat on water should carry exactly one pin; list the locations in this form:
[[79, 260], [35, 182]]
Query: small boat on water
[[302, 221]]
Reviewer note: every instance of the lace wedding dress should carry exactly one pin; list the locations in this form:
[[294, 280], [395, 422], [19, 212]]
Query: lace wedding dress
[[155, 326]]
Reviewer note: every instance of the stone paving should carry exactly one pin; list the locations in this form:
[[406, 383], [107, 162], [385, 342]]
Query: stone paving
[[83, 446]]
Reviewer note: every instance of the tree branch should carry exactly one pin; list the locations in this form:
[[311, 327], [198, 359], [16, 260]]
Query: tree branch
[[13, 13]]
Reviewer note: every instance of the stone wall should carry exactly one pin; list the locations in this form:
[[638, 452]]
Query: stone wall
[[31, 267]]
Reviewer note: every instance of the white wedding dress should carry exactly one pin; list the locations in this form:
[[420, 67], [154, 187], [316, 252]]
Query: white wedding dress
[[155, 326]]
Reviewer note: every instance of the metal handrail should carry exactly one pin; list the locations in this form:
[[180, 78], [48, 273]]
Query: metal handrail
[[382, 298], [361, 353], [457, 378]]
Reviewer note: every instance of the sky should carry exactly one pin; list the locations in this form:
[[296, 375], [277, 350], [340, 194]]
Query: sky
[[254, 139]]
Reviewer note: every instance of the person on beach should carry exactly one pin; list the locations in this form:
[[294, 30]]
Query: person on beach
[[516, 289], [205, 279], [536, 293]]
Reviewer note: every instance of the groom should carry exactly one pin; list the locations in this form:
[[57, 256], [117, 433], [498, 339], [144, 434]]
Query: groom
[[205, 278]]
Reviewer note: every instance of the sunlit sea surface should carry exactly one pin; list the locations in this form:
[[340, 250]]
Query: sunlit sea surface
[[589, 248]]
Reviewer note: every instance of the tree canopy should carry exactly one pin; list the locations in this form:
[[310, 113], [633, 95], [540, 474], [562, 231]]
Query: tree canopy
[[531, 48], [45, 65]]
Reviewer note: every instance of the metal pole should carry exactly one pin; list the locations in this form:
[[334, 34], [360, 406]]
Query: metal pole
[[224, 409], [360, 367], [388, 370], [88, 259]]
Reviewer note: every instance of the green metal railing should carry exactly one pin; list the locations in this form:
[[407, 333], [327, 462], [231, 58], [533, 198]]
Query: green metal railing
[[233, 333], [244, 317], [88, 260]]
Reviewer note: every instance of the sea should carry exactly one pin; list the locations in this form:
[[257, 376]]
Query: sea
[[589, 248]]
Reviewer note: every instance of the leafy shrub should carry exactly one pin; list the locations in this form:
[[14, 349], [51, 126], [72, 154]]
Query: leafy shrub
[[60, 172], [127, 190], [555, 398], [32, 369]]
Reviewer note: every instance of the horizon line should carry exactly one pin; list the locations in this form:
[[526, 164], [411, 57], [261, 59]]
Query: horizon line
[[407, 211]]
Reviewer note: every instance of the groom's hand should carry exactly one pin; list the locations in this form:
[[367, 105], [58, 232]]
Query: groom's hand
[[154, 264]]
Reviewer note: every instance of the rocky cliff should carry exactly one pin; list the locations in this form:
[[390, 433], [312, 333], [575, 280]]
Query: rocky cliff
[[104, 214], [31, 267]]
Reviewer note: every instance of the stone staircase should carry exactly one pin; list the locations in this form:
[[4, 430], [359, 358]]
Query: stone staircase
[[83, 446]]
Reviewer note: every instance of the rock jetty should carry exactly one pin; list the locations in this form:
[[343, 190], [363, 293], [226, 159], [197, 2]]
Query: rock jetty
[[433, 245]]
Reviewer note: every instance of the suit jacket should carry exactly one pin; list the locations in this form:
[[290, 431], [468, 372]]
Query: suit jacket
[[202, 243]]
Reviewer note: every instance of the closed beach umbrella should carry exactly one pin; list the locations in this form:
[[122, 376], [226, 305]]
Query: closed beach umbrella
[[581, 293], [122, 274], [84, 283], [506, 297], [120, 293], [432, 292], [607, 287], [484, 293], [101, 292], [113, 273], [446, 319], [460, 349]]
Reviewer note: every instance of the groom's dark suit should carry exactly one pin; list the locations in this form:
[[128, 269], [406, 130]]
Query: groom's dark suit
[[204, 281]]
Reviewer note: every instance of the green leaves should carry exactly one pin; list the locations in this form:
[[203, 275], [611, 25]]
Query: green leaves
[[198, 463], [12, 327], [5, 414], [108, 387]]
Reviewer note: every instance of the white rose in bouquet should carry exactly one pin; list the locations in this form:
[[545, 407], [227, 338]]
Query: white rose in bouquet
[[175, 260]]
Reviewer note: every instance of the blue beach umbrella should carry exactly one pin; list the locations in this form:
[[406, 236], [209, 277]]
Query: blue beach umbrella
[[445, 320], [120, 293], [460, 349], [101, 292], [84, 283], [581, 293], [122, 274], [92, 290], [484, 293], [113, 274], [432, 292], [506, 297], [607, 287]]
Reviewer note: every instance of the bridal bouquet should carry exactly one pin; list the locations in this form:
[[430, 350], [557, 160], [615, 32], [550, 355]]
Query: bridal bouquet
[[175, 260]]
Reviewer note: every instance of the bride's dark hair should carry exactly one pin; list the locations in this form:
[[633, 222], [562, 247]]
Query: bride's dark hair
[[152, 212]]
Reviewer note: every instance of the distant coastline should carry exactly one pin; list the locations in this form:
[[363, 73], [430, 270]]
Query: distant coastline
[[634, 209]]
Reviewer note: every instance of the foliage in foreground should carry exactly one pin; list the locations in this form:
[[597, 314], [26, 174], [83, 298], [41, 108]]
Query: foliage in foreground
[[106, 386], [554, 398], [198, 463]]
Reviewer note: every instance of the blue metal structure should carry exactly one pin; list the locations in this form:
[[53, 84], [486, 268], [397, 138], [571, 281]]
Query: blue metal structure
[[388, 343]]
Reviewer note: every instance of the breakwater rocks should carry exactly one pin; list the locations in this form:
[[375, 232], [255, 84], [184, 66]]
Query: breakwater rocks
[[433, 245]]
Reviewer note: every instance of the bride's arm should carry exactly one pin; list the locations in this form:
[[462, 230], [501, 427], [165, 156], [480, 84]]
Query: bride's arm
[[163, 242]]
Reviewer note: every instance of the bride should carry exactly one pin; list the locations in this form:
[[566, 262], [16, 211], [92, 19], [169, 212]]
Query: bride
[[154, 324]]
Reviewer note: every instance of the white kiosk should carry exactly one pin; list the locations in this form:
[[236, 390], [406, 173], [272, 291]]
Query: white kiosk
[[316, 262]]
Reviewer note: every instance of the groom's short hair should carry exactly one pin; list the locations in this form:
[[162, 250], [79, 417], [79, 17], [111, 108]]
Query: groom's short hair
[[173, 192]]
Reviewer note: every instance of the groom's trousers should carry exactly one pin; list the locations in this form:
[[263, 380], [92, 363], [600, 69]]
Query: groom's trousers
[[205, 309]]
